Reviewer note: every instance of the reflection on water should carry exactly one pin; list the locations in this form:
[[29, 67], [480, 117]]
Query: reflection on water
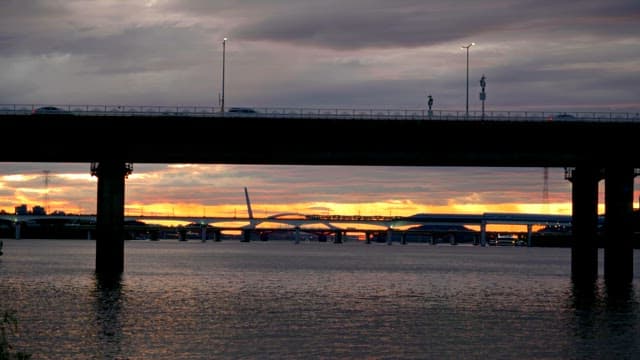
[[603, 316], [194, 300], [108, 307]]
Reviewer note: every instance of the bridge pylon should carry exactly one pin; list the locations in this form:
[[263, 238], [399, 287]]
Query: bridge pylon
[[110, 214]]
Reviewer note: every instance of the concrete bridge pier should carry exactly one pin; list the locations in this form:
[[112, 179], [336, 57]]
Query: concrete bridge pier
[[203, 232], [110, 215], [389, 236], [182, 234], [297, 235], [618, 242], [483, 233], [584, 248], [18, 235]]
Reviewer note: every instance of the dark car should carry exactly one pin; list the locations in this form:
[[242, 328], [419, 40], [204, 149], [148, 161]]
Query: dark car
[[564, 116], [50, 110], [242, 110]]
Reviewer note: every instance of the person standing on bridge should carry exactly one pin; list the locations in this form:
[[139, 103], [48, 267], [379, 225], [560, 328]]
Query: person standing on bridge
[[430, 104]]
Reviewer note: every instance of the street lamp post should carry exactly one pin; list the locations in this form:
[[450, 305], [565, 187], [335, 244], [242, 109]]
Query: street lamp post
[[224, 46], [483, 94], [467, 48]]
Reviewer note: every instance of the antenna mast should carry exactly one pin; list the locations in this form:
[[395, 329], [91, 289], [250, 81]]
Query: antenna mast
[[46, 190], [545, 190]]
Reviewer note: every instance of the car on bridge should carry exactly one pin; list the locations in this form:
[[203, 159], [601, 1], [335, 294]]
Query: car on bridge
[[50, 110], [563, 116], [242, 110]]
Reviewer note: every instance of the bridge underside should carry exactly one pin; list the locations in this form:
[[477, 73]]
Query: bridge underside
[[320, 141]]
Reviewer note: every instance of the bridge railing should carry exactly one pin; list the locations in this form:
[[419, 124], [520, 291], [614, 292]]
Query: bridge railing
[[314, 113]]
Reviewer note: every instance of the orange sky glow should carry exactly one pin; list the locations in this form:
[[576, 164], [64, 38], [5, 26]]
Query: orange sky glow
[[217, 191]]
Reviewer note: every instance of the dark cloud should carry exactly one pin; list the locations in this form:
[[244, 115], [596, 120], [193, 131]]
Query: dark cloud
[[380, 24], [131, 50], [39, 168], [370, 54]]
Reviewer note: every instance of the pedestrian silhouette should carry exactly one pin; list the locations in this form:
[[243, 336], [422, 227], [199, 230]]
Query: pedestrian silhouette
[[430, 102]]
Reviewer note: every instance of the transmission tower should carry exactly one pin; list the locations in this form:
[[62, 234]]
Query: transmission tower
[[46, 190], [545, 190]]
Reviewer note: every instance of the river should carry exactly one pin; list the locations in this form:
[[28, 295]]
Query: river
[[280, 300]]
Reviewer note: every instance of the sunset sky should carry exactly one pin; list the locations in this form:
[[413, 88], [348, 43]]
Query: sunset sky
[[373, 54]]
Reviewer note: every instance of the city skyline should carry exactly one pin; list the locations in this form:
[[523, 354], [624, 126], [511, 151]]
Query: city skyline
[[536, 56]]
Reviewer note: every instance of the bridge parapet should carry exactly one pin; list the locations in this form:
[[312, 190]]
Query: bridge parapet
[[319, 113]]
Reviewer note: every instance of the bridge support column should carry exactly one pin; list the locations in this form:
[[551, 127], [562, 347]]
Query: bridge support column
[[483, 233], [182, 234], [110, 215], [529, 232], [217, 234], [618, 245], [403, 238], [338, 238], [584, 201], [18, 235], [297, 235], [389, 236], [203, 232]]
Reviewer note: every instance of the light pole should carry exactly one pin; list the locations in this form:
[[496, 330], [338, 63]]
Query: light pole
[[224, 46], [467, 48]]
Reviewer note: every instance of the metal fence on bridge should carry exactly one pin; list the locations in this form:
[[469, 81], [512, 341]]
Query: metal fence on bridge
[[310, 113]]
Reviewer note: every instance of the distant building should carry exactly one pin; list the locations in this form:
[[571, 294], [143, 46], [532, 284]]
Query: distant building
[[36, 210], [21, 210], [39, 210]]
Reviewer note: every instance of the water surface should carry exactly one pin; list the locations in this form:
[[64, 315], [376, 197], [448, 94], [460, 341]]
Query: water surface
[[279, 300]]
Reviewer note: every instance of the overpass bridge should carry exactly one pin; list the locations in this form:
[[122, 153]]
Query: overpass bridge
[[592, 147], [337, 225]]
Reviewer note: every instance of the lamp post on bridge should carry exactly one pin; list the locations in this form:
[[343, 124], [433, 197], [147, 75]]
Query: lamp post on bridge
[[467, 106], [483, 94], [224, 46]]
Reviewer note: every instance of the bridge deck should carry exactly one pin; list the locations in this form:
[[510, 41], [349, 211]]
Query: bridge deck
[[320, 141]]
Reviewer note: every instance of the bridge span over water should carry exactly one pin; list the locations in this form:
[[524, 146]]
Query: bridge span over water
[[601, 146]]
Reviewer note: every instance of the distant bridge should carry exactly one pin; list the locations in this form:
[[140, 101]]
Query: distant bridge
[[324, 223]]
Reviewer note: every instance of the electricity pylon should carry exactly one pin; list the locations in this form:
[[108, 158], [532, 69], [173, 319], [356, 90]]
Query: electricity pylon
[[545, 190], [46, 190]]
